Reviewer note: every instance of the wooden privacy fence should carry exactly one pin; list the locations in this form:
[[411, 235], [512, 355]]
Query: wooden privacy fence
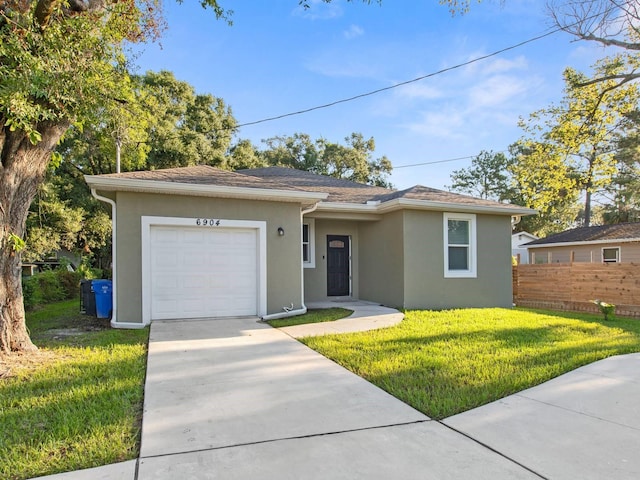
[[573, 286]]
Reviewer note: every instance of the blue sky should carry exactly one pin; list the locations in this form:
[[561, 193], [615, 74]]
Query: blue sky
[[278, 58]]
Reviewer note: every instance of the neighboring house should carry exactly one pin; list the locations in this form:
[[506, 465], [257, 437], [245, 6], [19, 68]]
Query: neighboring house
[[517, 249], [62, 258], [203, 242], [598, 244]]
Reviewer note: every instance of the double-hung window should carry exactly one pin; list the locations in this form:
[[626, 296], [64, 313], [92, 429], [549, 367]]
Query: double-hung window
[[460, 258]]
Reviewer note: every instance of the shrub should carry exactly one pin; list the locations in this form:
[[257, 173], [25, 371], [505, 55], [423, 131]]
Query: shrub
[[69, 282], [50, 286], [31, 292]]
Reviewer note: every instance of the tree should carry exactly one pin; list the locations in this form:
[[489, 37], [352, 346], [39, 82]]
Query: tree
[[624, 191], [488, 177], [611, 23], [549, 189], [78, 225], [570, 146], [58, 61], [244, 155], [352, 161], [188, 128]]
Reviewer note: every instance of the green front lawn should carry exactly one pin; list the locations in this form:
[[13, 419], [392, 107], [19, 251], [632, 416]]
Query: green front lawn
[[443, 363], [75, 404]]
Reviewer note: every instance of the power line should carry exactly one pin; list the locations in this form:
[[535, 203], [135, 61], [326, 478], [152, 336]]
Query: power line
[[442, 161], [434, 162], [407, 82]]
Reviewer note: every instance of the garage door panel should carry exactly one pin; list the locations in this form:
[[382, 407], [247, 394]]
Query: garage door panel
[[166, 235], [201, 272], [166, 282]]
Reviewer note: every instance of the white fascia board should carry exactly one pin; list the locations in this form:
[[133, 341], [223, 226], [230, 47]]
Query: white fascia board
[[578, 244], [406, 203], [400, 203], [344, 207], [175, 188]]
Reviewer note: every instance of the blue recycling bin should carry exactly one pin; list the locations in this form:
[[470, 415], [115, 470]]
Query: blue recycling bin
[[103, 290]]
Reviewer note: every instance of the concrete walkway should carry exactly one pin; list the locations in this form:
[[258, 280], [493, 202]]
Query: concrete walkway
[[237, 399], [365, 316]]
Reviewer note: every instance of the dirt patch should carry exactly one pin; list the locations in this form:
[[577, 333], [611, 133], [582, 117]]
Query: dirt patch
[[12, 363]]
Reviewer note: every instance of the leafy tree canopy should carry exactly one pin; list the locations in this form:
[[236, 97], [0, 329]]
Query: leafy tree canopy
[[352, 161], [488, 177], [570, 147]]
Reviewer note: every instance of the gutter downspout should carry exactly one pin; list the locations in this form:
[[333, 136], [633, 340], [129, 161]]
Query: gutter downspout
[[303, 309], [114, 320]]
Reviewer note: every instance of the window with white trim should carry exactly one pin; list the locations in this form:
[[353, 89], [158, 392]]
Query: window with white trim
[[308, 243], [611, 255], [460, 258]]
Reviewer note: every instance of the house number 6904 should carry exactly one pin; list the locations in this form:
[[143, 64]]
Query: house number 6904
[[207, 222]]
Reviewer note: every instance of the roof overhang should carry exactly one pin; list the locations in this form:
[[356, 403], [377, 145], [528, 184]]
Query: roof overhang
[[577, 244], [411, 204], [111, 184]]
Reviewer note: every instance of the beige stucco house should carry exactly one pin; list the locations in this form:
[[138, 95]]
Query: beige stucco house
[[618, 243], [203, 242]]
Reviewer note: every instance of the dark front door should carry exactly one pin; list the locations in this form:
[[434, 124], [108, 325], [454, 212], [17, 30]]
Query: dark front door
[[337, 265]]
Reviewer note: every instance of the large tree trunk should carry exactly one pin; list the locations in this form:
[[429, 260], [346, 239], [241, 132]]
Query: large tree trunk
[[22, 169]]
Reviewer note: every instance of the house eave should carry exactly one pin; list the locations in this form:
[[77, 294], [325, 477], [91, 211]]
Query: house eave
[[405, 203], [408, 203], [173, 188], [588, 242]]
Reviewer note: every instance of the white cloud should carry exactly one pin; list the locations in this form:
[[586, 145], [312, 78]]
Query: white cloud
[[495, 91], [503, 65], [353, 31], [439, 123], [493, 65]]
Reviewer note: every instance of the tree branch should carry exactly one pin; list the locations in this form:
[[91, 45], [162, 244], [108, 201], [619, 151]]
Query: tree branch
[[625, 77], [609, 42]]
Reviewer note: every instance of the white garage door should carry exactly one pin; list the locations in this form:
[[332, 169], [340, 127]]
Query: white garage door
[[203, 272]]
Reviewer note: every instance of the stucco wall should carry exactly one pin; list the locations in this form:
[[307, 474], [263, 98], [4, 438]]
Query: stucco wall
[[283, 253], [315, 279], [425, 284], [381, 260]]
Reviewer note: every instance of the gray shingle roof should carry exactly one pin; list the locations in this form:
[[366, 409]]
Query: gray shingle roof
[[204, 175], [590, 234], [419, 192], [283, 178], [340, 190]]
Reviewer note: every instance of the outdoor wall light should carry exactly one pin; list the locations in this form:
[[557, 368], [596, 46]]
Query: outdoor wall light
[[280, 231]]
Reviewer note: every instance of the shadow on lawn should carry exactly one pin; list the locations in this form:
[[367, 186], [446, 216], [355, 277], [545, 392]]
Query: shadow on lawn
[[448, 367]]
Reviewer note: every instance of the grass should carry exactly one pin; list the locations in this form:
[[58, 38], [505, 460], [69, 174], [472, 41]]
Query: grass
[[443, 363], [312, 316], [77, 403]]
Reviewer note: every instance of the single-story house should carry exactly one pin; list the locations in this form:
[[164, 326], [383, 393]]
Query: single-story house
[[199, 242], [618, 243], [518, 250]]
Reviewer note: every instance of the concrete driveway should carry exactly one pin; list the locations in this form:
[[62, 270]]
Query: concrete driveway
[[237, 399]]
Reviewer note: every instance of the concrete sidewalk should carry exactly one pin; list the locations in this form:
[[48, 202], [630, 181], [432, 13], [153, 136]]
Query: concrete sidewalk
[[237, 399], [365, 316]]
